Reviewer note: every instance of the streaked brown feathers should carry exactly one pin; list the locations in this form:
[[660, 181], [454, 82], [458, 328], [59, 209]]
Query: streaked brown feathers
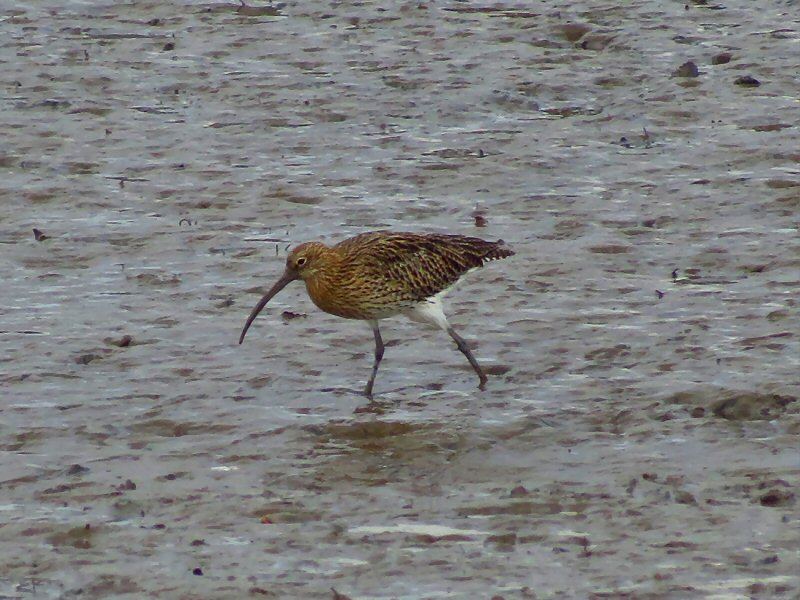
[[381, 273]]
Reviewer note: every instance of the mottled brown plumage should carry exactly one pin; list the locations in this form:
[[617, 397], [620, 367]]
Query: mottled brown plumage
[[381, 274]]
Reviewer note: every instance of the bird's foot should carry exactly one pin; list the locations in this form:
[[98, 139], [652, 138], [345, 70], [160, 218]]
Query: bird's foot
[[374, 407]]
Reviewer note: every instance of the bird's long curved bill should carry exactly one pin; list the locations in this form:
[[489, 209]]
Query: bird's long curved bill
[[285, 279]]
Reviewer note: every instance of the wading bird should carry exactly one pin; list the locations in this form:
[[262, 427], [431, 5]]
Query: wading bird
[[382, 274]]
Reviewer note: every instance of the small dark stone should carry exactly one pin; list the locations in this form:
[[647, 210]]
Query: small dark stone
[[687, 69], [596, 42], [77, 469], [721, 59], [775, 498], [288, 315], [747, 81], [169, 46], [85, 359], [518, 491], [574, 31], [197, 571]]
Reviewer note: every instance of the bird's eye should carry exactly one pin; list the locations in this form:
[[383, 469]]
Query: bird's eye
[[301, 261]]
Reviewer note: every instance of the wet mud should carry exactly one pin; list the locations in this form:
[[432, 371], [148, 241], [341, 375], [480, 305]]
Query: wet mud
[[638, 437]]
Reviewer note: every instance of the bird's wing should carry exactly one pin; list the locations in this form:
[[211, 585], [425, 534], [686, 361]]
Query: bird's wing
[[417, 266]]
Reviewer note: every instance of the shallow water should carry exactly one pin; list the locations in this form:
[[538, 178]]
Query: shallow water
[[638, 436]]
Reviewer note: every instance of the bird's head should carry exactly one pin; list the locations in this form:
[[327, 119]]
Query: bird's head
[[303, 262]]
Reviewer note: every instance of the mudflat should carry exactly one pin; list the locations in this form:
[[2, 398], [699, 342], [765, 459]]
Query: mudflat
[[638, 437]]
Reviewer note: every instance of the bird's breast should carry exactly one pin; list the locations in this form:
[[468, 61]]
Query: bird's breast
[[353, 299]]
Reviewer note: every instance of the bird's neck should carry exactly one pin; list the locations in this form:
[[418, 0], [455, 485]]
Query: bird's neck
[[321, 282]]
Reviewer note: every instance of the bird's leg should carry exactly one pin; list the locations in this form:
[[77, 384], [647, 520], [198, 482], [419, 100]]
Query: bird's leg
[[462, 345], [378, 358]]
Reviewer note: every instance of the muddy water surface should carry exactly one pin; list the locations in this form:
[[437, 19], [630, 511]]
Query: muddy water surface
[[639, 434]]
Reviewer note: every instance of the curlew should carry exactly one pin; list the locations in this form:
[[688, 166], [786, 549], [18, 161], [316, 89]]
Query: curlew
[[382, 274]]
